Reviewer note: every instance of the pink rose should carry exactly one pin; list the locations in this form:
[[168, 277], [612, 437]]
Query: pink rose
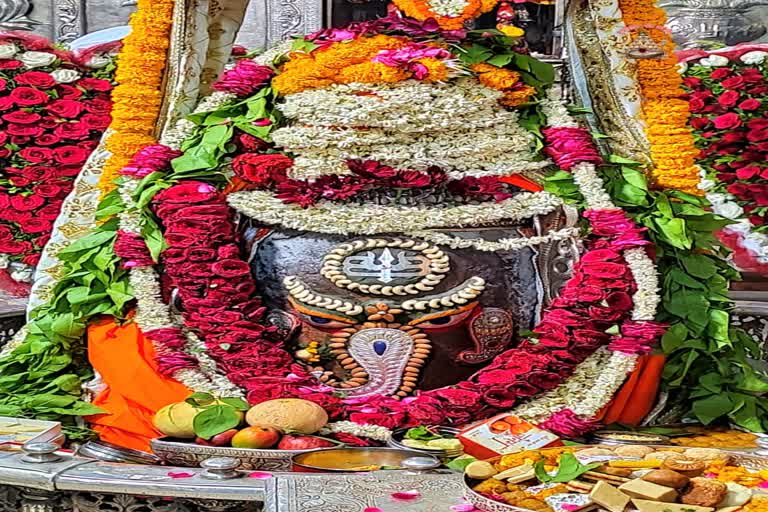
[[727, 121], [728, 98], [244, 79], [750, 104]]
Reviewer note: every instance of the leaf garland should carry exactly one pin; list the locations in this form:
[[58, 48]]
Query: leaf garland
[[42, 377], [707, 367]]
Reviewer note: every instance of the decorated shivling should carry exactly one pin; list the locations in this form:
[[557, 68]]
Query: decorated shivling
[[424, 238]]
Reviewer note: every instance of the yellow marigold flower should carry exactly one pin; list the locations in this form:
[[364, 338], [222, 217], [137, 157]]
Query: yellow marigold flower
[[518, 96], [437, 70], [510, 30], [495, 77]]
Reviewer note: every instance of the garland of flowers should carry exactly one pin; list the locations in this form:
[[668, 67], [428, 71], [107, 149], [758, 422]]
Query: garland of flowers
[[664, 108], [53, 114], [728, 88], [137, 97], [449, 14]]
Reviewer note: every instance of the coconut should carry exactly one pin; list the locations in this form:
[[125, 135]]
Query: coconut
[[288, 415]]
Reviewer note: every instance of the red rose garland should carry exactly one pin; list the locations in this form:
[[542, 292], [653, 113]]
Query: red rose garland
[[51, 118]]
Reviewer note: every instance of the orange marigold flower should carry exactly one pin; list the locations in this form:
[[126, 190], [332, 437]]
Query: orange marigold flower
[[495, 77], [518, 96]]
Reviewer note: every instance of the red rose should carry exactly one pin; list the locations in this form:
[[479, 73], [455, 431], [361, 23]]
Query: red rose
[[48, 190], [29, 97], [49, 122], [15, 247], [692, 82], [758, 90], [752, 75], [5, 152], [6, 234], [36, 155], [26, 203], [247, 143], [31, 259], [11, 64], [733, 137], [720, 73], [757, 135], [36, 226], [98, 106], [36, 78], [47, 139], [20, 140], [425, 410], [699, 123], [38, 172], [6, 103], [96, 121], [734, 82], [50, 211], [68, 92], [187, 192], [94, 84], [262, 170], [42, 240], [66, 108], [747, 172], [727, 121], [728, 98], [19, 181], [750, 104], [230, 268], [410, 179], [70, 155], [23, 130], [22, 117], [544, 380], [696, 104], [3, 137], [72, 131]]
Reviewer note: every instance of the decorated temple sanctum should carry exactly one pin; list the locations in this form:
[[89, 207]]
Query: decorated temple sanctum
[[368, 256]]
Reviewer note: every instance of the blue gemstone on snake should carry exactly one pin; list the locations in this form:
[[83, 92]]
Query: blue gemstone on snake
[[379, 347]]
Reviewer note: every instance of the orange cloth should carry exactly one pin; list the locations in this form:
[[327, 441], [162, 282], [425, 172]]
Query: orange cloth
[[522, 182], [125, 359]]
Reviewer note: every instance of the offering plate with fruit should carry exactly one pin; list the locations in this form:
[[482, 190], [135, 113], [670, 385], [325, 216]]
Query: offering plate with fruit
[[619, 478]]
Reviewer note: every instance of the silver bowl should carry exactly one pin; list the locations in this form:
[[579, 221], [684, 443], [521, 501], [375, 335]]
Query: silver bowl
[[189, 454], [359, 460], [108, 452], [396, 441]]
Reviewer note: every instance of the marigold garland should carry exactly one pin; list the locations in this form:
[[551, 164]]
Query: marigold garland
[[664, 106], [137, 97], [421, 10]]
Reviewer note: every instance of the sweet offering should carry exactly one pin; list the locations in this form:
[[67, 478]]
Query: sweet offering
[[645, 485]]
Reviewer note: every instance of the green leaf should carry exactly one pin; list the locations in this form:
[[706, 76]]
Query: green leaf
[[699, 265], [718, 327], [152, 236], [569, 469], [674, 232], [711, 408], [684, 279], [199, 399], [460, 463], [215, 420], [501, 60], [300, 44], [421, 434], [237, 403], [750, 381], [88, 242], [712, 382], [747, 416], [475, 53], [674, 338]]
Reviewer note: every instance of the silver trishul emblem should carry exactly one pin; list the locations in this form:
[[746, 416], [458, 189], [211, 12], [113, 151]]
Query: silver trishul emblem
[[386, 267]]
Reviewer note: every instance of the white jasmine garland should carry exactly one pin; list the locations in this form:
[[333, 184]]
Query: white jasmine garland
[[37, 59], [4, 261], [714, 61], [21, 272], [646, 298], [350, 427], [65, 76], [755, 57], [504, 244], [267, 57], [334, 218], [8, 50], [449, 8], [591, 186]]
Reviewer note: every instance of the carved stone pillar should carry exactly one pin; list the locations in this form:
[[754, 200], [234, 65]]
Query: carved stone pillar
[[13, 15]]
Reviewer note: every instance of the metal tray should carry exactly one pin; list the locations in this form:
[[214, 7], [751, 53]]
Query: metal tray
[[190, 455], [395, 441], [746, 460]]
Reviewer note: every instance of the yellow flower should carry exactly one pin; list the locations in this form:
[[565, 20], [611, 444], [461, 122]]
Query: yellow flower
[[495, 77], [664, 109], [137, 97], [518, 96], [511, 30]]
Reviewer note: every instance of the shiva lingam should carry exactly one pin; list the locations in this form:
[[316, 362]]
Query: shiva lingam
[[387, 314]]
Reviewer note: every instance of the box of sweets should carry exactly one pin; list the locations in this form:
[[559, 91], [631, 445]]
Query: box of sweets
[[504, 434]]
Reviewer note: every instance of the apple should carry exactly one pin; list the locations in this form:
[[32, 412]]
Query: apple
[[256, 437], [202, 442], [294, 442], [224, 438]]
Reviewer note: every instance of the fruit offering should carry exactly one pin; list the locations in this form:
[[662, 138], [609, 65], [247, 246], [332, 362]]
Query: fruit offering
[[620, 478], [283, 424]]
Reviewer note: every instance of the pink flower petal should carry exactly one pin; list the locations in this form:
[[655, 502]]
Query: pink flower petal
[[406, 495], [464, 507], [180, 474], [710, 475], [372, 509], [763, 484], [260, 475], [568, 507]]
